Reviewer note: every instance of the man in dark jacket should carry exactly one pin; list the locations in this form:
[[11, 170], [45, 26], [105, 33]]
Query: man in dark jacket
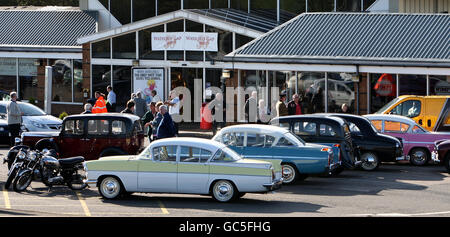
[[294, 106], [148, 118], [166, 128], [130, 108]]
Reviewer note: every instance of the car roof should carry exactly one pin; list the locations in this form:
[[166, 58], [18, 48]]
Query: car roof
[[260, 128], [189, 141], [314, 116], [112, 115], [390, 117]]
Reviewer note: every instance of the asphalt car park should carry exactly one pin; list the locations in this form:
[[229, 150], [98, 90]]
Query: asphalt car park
[[392, 190]]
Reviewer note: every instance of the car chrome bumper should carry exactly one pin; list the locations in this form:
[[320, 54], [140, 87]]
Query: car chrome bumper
[[90, 181], [276, 184], [400, 158], [435, 157]]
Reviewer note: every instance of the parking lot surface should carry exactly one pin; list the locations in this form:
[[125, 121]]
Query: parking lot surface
[[393, 190]]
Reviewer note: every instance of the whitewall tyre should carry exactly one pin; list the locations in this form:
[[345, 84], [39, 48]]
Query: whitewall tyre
[[110, 188], [224, 191]]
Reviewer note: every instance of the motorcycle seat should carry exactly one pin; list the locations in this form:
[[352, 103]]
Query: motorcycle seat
[[71, 160]]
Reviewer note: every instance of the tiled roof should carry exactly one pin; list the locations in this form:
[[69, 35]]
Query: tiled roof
[[45, 28], [355, 37]]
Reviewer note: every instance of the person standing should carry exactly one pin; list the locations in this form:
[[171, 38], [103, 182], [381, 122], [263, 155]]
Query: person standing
[[281, 106], [87, 109], [140, 105], [251, 114], [155, 97], [14, 115], [166, 128], [263, 115], [294, 106], [148, 118], [174, 107], [157, 120], [100, 104], [129, 109], [111, 99]]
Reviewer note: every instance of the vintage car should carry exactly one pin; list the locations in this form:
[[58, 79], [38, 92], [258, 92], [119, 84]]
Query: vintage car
[[324, 130], [94, 135], [373, 146], [418, 143], [441, 153], [299, 159], [183, 165]]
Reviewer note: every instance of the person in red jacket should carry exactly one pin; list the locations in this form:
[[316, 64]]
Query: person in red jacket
[[100, 104]]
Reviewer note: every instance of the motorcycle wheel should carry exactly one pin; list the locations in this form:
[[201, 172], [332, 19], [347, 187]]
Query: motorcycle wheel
[[22, 182], [11, 177]]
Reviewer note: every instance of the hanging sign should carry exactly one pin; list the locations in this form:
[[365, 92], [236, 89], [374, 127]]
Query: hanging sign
[[190, 41], [148, 79]]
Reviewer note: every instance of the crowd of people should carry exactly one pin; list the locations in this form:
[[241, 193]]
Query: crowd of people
[[156, 116]]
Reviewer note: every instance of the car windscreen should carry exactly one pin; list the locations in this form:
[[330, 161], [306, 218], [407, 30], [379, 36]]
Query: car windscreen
[[380, 111], [30, 110]]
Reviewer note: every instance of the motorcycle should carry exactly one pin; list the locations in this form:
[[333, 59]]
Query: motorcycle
[[12, 153], [20, 161], [43, 166]]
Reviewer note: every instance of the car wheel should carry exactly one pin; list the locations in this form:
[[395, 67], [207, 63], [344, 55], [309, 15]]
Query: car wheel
[[418, 157], [110, 188], [447, 162], [224, 191], [290, 174], [369, 161]]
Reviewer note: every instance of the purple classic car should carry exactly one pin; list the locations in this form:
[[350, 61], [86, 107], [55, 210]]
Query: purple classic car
[[418, 143]]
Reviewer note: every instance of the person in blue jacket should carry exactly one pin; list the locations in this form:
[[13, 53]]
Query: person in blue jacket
[[166, 128]]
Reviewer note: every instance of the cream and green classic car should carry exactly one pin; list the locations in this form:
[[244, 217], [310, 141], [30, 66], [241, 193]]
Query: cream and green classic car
[[184, 165]]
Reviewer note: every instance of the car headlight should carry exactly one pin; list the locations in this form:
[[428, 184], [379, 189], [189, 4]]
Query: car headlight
[[38, 125]]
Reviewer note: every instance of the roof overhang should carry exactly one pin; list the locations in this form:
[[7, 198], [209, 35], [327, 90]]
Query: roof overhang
[[168, 17]]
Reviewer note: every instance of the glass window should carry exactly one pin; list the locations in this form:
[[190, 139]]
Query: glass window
[[293, 6], [413, 84], [98, 127], [378, 124], [223, 157], [305, 128], [195, 4], [239, 5], [192, 26], [165, 153], [353, 128], [101, 78], [124, 47], [176, 26], [8, 76], [165, 6], [225, 41], [241, 40], [78, 80], [62, 80], [233, 139], [74, 127], [409, 108], [417, 129], [122, 80], [145, 44], [284, 142], [101, 49], [193, 154], [439, 85], [219, 4], [28, 79], [326, 130], [396, 127], [121, 10], [30, 110], [311, 89], [383, 89], [348, 5], [322, 5], [266, 8], [139, 13], [259, 140], [118, 127], [341, 90], [105, 3]]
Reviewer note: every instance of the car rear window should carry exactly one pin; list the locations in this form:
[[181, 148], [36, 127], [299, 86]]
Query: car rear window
[[398, 127], [98, 127], [74, 127], [259, 140], [305, 128]]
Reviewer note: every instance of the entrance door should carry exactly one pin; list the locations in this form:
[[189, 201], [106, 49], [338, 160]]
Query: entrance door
[[184, 77]]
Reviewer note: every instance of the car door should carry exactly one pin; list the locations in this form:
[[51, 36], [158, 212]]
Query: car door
[[258, 146], [98, 135], [193, 170], [307, 130], [73, 139], [159, 174], [398, 130]]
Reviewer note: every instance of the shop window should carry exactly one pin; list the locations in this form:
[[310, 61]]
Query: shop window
[[341, 90], [78, 80], [311, 87], [121, 10], [225, 41], [348, 5], [145, 44], [219, 4], [101, 49], [8, 76], [265, 8], [409, 108], [122, 80], [383, 89], [176, 26], [28, 79], [62, 80], [439, 85], [192, 26], [101, 78], [413, 85], [241, 40], [124, 47], [212, 79], [293, 6], [139, 13], [195, 4], [166, 6], [321, 6]]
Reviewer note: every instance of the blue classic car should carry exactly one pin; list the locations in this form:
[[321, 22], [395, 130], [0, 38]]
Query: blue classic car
[[299, 159]]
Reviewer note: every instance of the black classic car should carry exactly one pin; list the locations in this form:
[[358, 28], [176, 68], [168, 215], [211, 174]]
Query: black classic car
[[373, 146], [325, 130]]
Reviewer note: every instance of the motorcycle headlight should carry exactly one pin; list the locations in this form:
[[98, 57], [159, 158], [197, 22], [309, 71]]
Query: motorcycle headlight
[[38, 125], [21, 155], [32, 156]]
